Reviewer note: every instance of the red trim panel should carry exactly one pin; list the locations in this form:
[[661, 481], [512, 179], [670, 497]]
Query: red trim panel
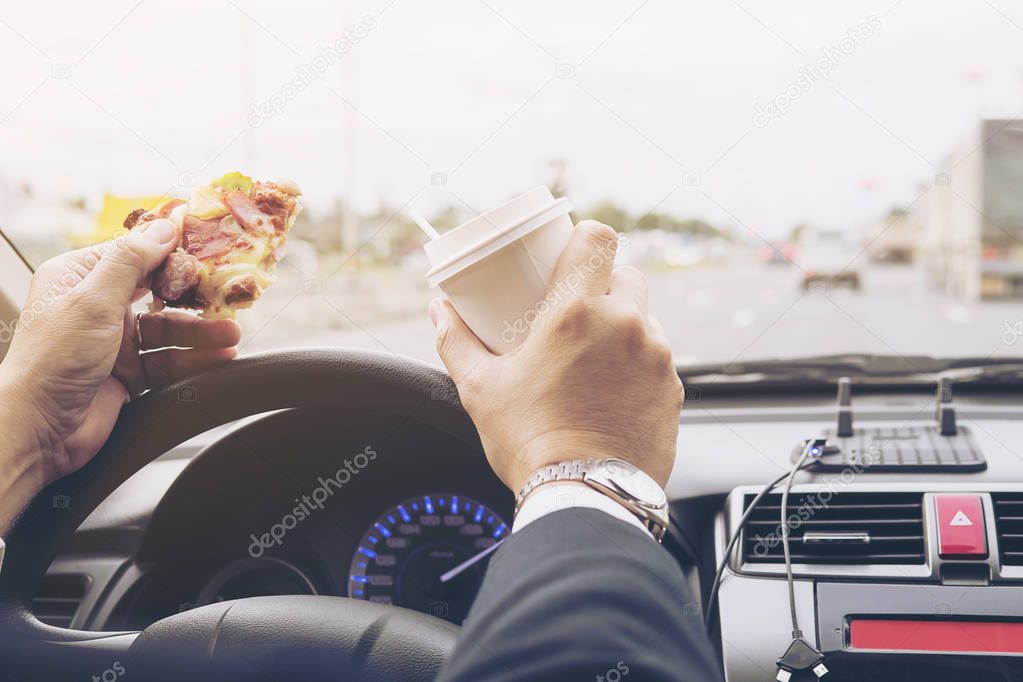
[[935, 635]]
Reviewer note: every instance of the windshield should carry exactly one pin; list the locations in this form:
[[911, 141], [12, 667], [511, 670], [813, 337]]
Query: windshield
[[795, 180]]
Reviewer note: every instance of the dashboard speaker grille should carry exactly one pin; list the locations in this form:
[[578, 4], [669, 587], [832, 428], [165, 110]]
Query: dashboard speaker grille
[[838, 528], [59, 597], [1009, 525]]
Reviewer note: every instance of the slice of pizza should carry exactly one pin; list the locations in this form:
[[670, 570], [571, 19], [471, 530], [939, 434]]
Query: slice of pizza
[[233, 232]]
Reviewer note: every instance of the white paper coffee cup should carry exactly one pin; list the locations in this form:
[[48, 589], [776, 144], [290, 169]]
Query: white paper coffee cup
[[496, 268]]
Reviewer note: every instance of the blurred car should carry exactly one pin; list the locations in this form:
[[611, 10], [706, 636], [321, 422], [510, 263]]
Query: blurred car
[[825, 257], [777, 254]]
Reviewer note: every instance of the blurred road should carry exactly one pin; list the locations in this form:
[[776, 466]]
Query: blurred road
[[755, 311]]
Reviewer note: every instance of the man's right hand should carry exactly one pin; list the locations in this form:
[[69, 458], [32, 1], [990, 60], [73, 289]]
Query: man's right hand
[[594, 377]]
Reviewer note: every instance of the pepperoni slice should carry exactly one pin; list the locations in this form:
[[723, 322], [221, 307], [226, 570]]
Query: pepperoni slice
[[205, 239], [246, 212]]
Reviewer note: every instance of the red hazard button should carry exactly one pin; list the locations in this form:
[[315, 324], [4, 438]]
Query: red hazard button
[[961, 526]]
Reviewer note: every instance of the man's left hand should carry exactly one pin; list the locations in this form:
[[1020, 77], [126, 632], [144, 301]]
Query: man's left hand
[[75, 358]]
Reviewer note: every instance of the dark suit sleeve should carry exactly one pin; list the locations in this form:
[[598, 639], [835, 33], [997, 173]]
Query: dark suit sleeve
[[581, 595]]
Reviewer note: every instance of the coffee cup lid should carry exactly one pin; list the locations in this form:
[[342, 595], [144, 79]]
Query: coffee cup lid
[[482, 236]]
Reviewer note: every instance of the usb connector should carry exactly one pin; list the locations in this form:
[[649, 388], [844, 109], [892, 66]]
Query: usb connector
[[801, 655]]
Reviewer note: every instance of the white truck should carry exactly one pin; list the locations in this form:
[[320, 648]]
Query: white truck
[[972, 216], [827, 257], [894, 239]]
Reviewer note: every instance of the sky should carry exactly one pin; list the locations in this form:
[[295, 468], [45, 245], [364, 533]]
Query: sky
[[652, 104]]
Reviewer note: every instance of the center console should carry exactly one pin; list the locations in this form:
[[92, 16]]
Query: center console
[[896, 575]]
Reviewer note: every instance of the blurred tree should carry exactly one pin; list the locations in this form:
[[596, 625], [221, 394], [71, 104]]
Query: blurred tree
[[446, 219], [322, 231], [611, 214], [699, 228], [653, 221], [558, 168], [797, 232], [669, 223], [617, 217]]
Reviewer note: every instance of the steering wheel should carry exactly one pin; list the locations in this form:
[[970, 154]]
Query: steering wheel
[[280, 637]]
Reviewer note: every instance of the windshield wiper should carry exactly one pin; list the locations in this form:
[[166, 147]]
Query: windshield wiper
[[857, 365], [1007, 372]]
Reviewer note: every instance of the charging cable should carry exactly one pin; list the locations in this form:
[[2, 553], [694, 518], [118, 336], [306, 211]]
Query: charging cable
[[800, 654]]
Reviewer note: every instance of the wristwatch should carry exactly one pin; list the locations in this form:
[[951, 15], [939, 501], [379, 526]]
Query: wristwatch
[[623, 482]]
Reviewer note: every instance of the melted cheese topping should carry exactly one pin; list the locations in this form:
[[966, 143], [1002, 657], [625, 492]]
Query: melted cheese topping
[[255, 262], [242, 265]]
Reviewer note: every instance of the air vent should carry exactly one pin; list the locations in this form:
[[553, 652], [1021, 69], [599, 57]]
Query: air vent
[[58, 598], [1009, 524], [839, 528]]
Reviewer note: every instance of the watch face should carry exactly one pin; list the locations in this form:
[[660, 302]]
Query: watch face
[[635, 482]]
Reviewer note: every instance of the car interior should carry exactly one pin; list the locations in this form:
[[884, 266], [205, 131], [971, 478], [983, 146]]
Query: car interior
[[825, 203], [905, 559]]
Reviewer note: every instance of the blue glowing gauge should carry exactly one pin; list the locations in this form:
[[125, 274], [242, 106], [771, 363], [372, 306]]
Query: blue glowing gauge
[[401, 558]]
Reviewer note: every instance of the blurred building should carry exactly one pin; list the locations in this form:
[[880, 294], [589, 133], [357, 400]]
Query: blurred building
[[972, 216], [39, 226]]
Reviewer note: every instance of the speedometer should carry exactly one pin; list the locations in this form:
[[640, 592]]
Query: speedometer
[[401, 558]]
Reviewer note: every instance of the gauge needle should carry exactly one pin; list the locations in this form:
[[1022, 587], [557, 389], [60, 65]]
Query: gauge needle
[[457, 570]]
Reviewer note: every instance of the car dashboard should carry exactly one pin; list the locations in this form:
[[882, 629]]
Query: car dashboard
[[904, 571], [294, 502], [369, 506]]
